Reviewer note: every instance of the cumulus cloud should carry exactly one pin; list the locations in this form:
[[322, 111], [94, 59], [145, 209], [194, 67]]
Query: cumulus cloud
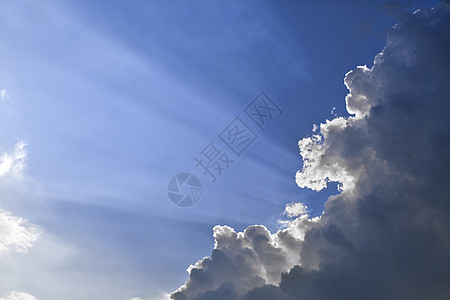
[[18, 296], [14, 163], [387, 234]]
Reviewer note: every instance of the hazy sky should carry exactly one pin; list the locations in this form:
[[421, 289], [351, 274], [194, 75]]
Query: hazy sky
[[103, 102]]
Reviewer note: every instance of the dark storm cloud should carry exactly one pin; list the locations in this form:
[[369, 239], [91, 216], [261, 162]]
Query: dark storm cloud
[[387, 234]]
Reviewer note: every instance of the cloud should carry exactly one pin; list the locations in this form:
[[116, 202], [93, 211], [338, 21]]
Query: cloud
[[14, 163], [243, 260], [318, 170], [4, 95], [16, 234], [387, 234], [295, 209], [18, 296], [162, 297]]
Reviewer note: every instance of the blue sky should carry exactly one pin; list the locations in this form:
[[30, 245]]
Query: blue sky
[[115, 98]]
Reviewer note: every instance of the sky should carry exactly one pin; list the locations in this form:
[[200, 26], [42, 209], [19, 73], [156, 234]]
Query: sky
[[102, 104]]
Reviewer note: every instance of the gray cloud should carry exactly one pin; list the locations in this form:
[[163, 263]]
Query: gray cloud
[[387, 234]]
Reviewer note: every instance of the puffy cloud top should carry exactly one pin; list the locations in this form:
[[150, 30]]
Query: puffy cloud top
[[387, 234], [18, 296]]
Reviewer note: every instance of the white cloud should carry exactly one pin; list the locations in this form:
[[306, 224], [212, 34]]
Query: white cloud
[[163, 297], [16, 234], [4, 95], [295, 209], [18, 296], [14, 163], [318, 168]]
